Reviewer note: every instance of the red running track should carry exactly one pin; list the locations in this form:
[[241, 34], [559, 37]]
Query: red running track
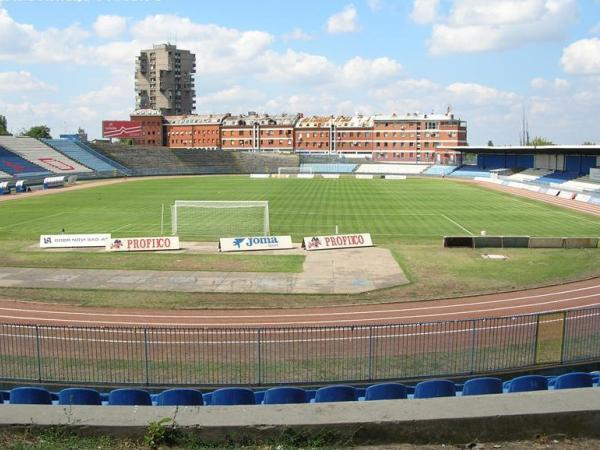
[[554, 298]]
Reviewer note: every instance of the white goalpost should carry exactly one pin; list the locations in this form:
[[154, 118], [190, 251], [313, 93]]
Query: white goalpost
[[220, 218], [283, 171]]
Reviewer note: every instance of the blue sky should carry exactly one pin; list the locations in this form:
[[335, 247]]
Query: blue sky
[[70, 63]]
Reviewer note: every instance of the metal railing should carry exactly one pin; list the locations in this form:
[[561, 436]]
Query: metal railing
[[262, 356]]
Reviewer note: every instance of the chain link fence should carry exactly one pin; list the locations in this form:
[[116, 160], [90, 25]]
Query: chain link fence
[[264, 356]]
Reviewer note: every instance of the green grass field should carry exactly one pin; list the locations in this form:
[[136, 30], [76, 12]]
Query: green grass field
[[409, 217], [410, 210]]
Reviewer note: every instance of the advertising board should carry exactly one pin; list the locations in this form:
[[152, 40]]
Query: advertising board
[[141, 244], [337, 241], [121, 129], [73, 240], [253, 243]]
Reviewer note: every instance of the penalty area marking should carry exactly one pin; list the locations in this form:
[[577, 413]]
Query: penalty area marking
[[457, 224]]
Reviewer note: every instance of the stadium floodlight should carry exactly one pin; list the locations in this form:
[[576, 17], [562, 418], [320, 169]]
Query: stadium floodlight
[[220, 218], [287, 171]]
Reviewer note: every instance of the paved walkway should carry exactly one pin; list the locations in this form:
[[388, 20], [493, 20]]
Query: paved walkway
[[347, 271]]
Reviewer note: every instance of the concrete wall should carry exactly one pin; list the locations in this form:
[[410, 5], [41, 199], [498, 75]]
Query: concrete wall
[[575, 413]]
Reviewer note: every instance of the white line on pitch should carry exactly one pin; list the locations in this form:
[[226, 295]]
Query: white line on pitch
[[122, 228], [457, 224], [31, 220]]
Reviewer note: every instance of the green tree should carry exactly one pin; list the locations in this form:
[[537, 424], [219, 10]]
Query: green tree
[[3, 126], [538, 140], [589, 143], [38, 131], [490, 143]]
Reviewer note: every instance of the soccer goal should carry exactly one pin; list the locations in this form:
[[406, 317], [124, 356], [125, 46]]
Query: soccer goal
[[283, 171], [220, 218]]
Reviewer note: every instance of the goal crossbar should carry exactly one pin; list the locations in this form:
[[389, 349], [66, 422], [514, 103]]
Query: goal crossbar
[[220, 217]]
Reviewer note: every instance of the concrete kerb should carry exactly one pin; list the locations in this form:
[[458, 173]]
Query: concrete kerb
[[575, 413]]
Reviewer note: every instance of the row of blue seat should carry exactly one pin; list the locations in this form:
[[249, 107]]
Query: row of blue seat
[[283, 395]]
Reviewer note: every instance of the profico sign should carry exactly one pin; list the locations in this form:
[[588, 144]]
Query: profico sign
[[337, 241], [140, 244]]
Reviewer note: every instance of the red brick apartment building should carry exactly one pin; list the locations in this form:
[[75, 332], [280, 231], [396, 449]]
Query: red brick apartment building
[[194, 131], [152, 127], [258, 132], [383, 137]]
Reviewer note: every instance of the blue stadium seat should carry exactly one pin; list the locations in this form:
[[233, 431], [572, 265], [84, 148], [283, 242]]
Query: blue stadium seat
[[482, 386], [79, 396], [30, 396], [573, 380], [207, 398], [233, 396], [310, 395], [180, 397], [338, 393], [386, 391], [284, 395], [259, 396], [528, 383], [435, 388], [4, 396], [137, 397]]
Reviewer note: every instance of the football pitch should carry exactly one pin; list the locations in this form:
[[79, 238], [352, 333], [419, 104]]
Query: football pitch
[[418, 210]]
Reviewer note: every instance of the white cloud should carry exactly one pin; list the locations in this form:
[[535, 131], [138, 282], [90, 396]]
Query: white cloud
[[297, 34], [582, 57], [490, 25], [110, 26], [22, 81], [542, 83], [22, 43], [294, 67], [424, 11], [477, 94], [374, 5], [345, 21], [357, 70]]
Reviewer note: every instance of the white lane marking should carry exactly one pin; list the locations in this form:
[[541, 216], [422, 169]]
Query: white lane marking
[[320, 323], [457, 224], [31, 220], [326, 314]]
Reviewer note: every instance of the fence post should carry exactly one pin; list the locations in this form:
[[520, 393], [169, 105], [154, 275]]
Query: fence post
[[562, 341], [370, 373], [472, 361], [535, 340], [146, 371], [258, 357], [38, 352]]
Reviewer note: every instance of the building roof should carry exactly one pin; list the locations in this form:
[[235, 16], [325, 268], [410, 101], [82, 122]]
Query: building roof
[[196, 119], [411, 117], [357, 121], [261, 119], [315, 122], [146, 112], [591, 150]]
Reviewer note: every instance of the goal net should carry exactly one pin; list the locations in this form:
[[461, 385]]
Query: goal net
[[293, 170], [220, 218]]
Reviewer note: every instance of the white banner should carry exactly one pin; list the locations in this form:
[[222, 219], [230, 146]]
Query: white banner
[[337, 241], [252, 243], [595, 174], [139, 244], [73, 240]]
